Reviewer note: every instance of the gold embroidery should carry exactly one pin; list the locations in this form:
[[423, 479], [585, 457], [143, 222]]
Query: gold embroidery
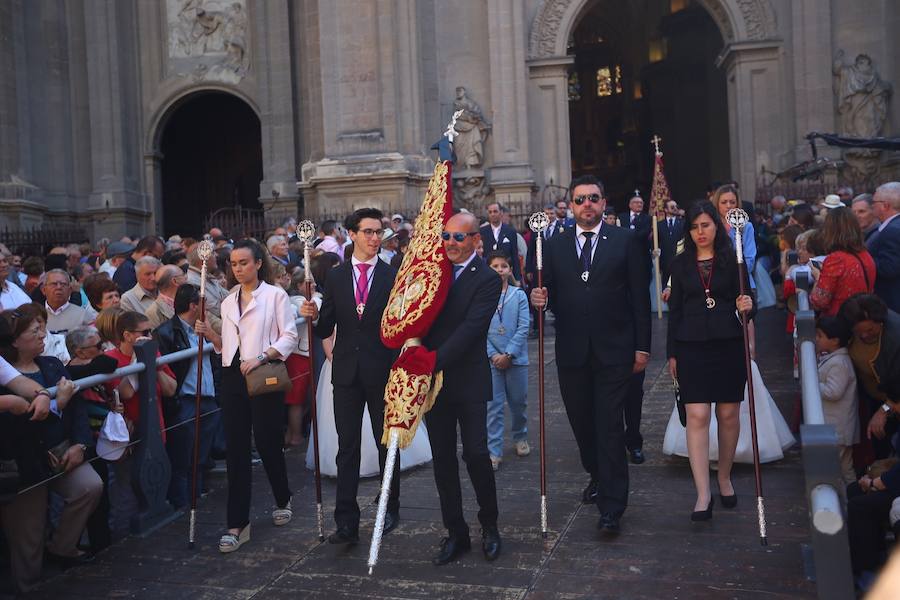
[[407, 398]]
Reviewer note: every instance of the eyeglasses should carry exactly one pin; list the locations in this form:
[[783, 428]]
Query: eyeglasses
[[97, 346], [143, 332], [56, 283], [593, 198], [458, 236], [372, 232]]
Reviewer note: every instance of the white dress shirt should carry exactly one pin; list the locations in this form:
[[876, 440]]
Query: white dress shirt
[[581, 241], [267, 322]]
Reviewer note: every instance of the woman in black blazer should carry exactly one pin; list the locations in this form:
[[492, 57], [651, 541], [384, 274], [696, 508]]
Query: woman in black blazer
[[705, 348]]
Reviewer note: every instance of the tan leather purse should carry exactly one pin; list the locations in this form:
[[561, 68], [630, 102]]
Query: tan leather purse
[[268, 378]]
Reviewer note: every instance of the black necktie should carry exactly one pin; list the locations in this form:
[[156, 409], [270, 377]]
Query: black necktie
[[586, 250], [456, 271]]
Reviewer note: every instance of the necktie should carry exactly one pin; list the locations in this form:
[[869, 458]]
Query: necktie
[[457, 269], [586, 250], [362, 286], [633, 218]]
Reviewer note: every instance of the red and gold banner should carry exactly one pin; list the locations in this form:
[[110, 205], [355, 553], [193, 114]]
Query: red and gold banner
[[419, 292], [659, 194]]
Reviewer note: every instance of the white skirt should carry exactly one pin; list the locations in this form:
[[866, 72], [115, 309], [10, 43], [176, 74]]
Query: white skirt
[[773, 434], [417, 453]]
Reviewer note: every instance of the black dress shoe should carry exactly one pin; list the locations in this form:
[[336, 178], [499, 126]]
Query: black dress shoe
[[490, 543], [344, 535], [451, 549], [703, 515], [637, 456], [589, 495], [390, 521], [728, 501], [608, 524]]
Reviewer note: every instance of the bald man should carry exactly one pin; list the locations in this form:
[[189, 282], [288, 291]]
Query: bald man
[[459, 336], [168, 278]]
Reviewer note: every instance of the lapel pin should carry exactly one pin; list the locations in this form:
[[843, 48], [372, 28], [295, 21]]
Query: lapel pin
[[604, 237]]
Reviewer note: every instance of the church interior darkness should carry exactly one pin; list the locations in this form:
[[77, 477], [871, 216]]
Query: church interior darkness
[[212, 158], [645, 68]]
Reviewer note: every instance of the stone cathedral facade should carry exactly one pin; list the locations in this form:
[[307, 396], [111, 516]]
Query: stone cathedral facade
[[111, 111]]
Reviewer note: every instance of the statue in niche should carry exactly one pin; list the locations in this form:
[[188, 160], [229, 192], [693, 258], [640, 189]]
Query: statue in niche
[[862, 96], [473, 130]]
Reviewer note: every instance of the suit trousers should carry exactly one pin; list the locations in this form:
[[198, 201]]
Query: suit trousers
[[442, 419], [23, 521], [866, 516], [80, 489], [633, 406], [349, 403], [264, 414], [594, 396]]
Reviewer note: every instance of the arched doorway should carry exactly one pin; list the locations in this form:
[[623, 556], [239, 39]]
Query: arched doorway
[[211, 158], [645, 69]]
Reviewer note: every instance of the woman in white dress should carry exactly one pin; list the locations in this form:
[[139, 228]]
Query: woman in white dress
[[774, 435], [417, 453]]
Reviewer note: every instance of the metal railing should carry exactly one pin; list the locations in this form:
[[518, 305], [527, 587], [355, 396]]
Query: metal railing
[[828, 527], [151, 469]]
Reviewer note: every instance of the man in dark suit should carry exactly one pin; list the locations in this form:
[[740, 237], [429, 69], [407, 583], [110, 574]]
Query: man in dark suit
[[356, 294], [497, 235], [459, 337], [637, 220], [596, 282], [884, 245], [671, 230]]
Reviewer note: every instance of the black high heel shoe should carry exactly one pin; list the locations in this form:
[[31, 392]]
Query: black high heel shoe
[[728, 501], [703, 515]]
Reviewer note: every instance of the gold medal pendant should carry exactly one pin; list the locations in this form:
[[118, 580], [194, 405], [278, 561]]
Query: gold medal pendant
[[710, 302], [360, 308], [501, 330]]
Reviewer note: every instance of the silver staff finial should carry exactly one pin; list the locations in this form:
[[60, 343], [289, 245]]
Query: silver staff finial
[[538, 222], [205, 250], [306, 231], [451, 128], [737, 218]]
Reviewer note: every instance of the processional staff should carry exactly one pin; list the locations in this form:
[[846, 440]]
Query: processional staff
[[306, 231]]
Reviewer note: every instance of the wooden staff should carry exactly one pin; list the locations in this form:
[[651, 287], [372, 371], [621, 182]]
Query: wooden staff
[[306, 230], [538, 222], [204, 251], [737, 218]]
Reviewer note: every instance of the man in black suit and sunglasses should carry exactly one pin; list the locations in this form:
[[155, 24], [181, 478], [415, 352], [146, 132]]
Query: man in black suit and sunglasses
[[596, 281], [459, 337]]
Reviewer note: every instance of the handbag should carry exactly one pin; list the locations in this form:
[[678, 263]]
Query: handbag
[[682, 413], [9, 480], [267, 378]]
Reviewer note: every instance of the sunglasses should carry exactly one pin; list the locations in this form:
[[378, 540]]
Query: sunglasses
[[97, 346], [593, 198], [143, 332], [458, 236]]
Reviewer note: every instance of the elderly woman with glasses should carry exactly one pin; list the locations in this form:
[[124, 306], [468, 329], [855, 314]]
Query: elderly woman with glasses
[[58, 444]]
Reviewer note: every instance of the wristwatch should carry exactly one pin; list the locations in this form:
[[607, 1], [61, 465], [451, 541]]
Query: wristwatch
[[262, 358], [886, 407]]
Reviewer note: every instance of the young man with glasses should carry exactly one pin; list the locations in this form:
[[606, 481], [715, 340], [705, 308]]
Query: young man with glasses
[[596, 279], [356, 294]]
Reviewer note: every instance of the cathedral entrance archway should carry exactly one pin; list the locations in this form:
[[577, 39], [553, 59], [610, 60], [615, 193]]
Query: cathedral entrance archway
[[210, 147]]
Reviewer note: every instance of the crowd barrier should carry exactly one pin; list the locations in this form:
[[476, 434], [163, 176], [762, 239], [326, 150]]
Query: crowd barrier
[[828, 527]]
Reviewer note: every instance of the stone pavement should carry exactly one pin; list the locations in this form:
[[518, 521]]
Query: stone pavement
[[660, 553]]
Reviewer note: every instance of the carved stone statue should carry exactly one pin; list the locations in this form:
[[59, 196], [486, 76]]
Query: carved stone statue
[[473, 130], [236, 37], [862, 96], [208, 39]]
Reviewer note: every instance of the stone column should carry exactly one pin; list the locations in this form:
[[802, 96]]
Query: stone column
[[812, 56], [511, 175], [271, 65], [548, 99], [116, 199], [755, 108], [9, 114]]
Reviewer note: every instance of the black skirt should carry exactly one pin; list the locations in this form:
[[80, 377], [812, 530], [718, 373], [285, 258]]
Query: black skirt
[[711, 372]]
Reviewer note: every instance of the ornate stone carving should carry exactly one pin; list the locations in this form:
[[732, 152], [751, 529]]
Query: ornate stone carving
[[472, 130], [470, 192], [208, 39], [757, 22], [862, 96]]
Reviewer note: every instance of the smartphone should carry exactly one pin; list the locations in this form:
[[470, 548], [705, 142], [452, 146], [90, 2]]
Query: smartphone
[[792, 257]]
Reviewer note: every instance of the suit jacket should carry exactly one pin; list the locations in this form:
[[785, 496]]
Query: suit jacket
[[459, 334], [507, 242], [668, 242], [609, 315], [642, 226], [689, 319], [357, 348], [884, 246]]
